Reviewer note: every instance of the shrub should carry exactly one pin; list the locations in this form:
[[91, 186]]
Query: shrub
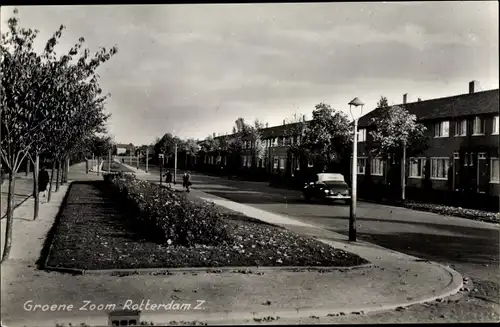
[[168, 217]]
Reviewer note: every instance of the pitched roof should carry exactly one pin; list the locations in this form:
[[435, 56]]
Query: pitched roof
[[273, 131], [484, 102], [121, 145]]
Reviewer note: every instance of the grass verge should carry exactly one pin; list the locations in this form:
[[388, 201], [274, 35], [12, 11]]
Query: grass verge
[[95, 232]]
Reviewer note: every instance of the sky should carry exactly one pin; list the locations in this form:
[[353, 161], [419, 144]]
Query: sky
[[192, 70]]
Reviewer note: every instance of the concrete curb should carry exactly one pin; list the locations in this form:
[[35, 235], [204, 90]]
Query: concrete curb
[[209, 270]]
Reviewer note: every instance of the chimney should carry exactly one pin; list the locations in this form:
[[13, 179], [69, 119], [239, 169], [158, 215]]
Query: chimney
[[474, 86], [419, 99], [283, 122], [267, 125], [213, 135], [304, 117], [405, 98]]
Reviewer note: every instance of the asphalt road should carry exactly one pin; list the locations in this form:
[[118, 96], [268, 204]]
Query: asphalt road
[[471, 247]]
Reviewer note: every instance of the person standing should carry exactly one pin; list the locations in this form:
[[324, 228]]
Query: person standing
[[186, 181], [168, 179], [43, 181]]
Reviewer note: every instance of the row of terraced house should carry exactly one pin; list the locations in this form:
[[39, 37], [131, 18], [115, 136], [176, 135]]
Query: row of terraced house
[[462, 154]]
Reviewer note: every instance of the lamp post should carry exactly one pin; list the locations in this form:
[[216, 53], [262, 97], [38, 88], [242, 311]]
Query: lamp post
[[352, 212]]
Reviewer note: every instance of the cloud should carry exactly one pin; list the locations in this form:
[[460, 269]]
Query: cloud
[[196, 68]]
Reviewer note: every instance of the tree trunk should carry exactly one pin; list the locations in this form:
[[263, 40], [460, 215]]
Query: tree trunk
[[10, 216], [63, 171], [186, 162], [58, 175], [51, 179], [36, 195]]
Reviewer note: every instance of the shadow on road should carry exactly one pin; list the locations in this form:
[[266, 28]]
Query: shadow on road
[[438, 247]]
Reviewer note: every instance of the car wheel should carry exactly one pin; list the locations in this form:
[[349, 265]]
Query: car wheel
[[347, 202], [307, 198]]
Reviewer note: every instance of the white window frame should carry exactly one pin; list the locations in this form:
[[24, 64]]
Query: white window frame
[[361, 171], [276, 162], [494, 129], [361, 135], [373, 171], [494, 181], [416, 160], [462, 123], [439, 126], [469, 159], [475, 123], [432, 169], [456, 155], [282, 163]]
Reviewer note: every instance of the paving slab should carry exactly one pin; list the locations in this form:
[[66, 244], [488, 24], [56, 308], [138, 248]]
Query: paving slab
[[216, 297]]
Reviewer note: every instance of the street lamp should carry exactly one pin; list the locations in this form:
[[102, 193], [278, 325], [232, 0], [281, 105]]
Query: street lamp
[[352, 212]]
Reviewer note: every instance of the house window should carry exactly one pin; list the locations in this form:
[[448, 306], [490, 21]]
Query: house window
[[439, 168], [275, 163], [495, 125], [478, 126], [469, 159], [297, 163], [282, 163], [225, 161], [274, 142], [494, 170], [297, 141], [481, 156], [377, 167], [461, 128], [286, 141], [362, 135], [456, 155], [244, 161], [261, 163], [310, 163], [361, 165], [442, 129], [417, 166]]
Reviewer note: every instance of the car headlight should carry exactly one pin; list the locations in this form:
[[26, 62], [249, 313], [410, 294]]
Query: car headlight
[[327, 191]]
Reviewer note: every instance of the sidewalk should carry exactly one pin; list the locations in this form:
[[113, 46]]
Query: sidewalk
[[137, 172], [225, 297]]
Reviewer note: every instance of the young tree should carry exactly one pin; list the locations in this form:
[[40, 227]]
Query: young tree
[[22, 116], [397, 131], [254, 136], [383, 102], [327, 137], [296, 128]]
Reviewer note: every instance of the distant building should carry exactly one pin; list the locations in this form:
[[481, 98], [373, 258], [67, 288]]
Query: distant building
[[124, 148], [463, 153]]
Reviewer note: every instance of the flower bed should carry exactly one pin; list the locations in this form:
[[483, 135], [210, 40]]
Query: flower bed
[[99, 228], [492, 217]]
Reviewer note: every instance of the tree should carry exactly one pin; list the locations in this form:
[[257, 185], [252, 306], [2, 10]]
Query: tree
[[38, 99], [22, 117], [296, 128], [327, 137], [397, 131], [254, 136], [383, 102], [191, 148]]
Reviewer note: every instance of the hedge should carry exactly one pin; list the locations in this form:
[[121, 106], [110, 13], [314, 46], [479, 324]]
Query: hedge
[[165, 216]]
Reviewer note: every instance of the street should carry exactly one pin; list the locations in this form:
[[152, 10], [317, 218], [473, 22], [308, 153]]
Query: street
[[470, 247]]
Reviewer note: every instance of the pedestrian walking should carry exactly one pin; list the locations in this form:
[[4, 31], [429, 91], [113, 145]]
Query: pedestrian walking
[[186, 180], [168, 179], [43, 181]]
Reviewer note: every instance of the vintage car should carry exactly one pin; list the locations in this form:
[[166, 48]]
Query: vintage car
[[327, 187]]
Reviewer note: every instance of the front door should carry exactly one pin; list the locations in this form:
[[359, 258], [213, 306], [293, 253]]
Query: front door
[[482, 173]]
